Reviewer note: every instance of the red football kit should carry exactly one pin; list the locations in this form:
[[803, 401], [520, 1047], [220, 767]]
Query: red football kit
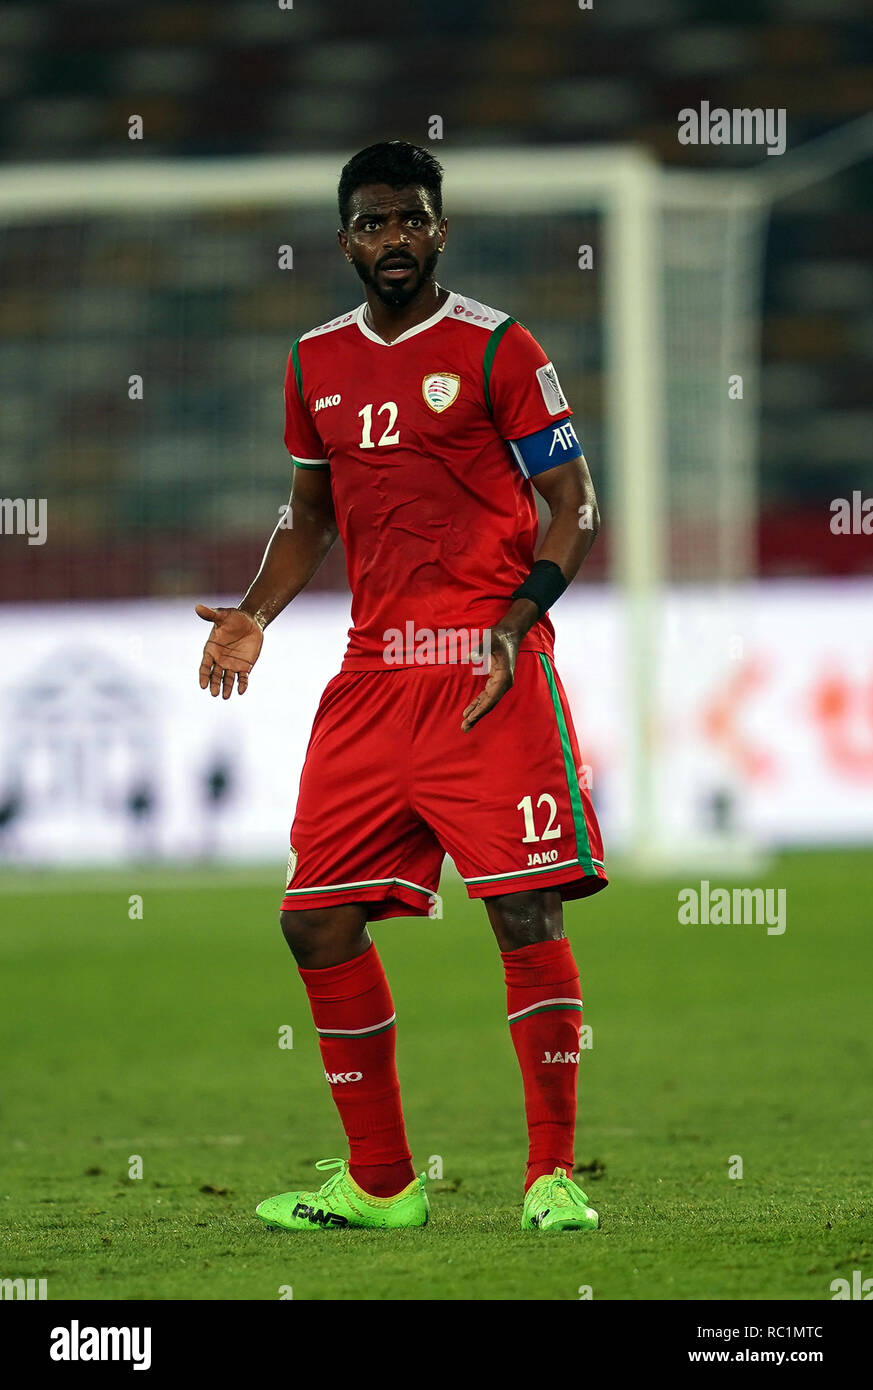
[[431, 442]]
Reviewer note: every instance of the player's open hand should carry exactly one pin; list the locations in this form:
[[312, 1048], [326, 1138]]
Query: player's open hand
[[501, 674], [231, 650]]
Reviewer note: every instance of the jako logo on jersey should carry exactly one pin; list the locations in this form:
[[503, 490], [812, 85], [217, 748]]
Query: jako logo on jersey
[[318, 1216], [336, 1077], [324, 401], [550, 386], [544, 856], [551, 1057], [440, 390]]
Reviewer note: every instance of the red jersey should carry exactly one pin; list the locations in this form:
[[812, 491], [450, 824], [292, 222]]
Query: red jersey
[[432, 500]]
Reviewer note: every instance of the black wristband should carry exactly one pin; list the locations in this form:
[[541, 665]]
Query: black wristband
[[543, 586]]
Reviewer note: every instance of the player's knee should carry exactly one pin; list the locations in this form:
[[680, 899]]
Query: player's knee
[[525, 919], [323, 936], [300, 927]]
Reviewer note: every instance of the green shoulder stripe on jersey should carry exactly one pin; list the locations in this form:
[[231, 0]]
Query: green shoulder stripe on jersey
[[583, 845], [488, 360], [295, 358]]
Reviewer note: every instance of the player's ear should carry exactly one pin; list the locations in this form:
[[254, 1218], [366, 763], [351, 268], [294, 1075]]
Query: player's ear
[[444, 231], [343, 240]]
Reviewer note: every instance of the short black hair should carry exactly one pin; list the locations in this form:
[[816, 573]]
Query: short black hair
[[396, 163]]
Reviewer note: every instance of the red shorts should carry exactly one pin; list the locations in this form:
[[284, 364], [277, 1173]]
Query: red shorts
[[390, 785]]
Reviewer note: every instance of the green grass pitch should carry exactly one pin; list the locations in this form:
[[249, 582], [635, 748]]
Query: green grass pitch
[[159, 1038]]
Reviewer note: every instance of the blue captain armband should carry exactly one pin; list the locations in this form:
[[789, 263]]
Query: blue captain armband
[[556, 444]]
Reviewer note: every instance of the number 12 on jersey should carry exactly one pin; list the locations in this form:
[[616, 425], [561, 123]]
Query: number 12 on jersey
[[388, 437]]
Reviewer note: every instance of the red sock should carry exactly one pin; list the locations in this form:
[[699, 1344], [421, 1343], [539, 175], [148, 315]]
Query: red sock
[[354, 1018], [544, 1003]]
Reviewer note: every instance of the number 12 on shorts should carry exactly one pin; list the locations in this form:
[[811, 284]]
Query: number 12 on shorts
[[551, 831]]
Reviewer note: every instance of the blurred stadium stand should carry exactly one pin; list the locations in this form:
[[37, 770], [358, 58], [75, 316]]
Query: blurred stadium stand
[[181, 498]]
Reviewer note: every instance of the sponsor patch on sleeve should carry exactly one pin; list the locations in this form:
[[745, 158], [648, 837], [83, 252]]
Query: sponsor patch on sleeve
[[553, 396]]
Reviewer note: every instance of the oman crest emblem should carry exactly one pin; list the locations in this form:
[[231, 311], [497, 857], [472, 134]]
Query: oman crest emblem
[[440, 390]]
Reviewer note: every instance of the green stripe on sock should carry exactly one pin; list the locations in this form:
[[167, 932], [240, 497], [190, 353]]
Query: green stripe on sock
[[326, 1033], [583, 846], [546, 1009]]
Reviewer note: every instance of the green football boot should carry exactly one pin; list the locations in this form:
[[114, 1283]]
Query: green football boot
[[340, 1202], [556, 1203]]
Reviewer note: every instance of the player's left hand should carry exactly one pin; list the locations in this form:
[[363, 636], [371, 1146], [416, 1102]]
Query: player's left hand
[[231, 650], [504, 643]]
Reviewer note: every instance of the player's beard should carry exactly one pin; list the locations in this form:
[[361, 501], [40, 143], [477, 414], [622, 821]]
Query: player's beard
[[398, 296]]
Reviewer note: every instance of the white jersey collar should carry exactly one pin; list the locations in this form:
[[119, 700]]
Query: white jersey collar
[[410, 332]]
